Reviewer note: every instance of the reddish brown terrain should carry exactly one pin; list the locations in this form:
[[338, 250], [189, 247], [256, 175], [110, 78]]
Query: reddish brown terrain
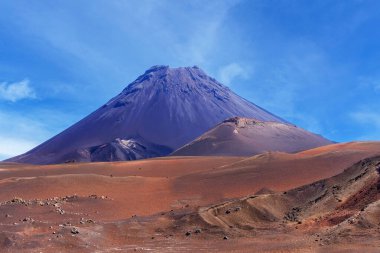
[[244, 136], [321, 200]]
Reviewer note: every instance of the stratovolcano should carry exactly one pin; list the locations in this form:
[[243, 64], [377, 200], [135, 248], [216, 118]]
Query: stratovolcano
[[159, 112]]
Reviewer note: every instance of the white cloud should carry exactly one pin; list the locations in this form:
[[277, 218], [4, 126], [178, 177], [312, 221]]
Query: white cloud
[[232, 71], [16, 91], [367, 117]]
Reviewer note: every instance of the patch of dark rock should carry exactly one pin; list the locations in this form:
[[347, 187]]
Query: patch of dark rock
[[293, 214], [94, 196], [319, 197], [74, 231], [121, 103], [28, 219], [357, 177]]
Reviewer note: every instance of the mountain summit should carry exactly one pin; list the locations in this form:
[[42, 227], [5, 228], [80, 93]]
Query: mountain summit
[[159, 112]]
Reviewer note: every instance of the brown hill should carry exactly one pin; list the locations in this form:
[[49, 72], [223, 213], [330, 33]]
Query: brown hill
[[244, 136]]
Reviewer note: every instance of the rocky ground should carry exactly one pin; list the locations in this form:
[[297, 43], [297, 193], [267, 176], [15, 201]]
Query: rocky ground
[[161, 205]]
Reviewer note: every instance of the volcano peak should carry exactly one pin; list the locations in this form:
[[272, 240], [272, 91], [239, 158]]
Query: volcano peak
[[163, 109]]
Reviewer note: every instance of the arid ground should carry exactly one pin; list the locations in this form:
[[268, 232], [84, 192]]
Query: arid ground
[[321, 200]]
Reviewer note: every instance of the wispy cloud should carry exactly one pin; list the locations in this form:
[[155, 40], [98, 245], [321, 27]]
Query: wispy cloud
[[300, 53], [371, 82], [371, 121], [232, 71], [206, 31], [367, 117], [16, 91], [10, 147], [300, 68], [21, 132], [114, 37]]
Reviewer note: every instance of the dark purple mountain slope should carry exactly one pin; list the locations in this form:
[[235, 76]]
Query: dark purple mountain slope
[[159, 112]]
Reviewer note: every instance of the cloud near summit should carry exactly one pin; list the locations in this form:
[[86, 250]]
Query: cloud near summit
[[232, 71], [16, 91]]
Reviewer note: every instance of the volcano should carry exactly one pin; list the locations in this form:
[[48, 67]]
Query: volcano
[[159, 112]]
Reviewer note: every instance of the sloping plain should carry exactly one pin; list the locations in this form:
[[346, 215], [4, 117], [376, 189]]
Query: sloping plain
[[150, 205]]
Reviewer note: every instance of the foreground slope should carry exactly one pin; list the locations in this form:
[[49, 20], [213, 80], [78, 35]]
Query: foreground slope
[[150, 205], [337, 214], [244, 136], [187, 180], [326, 202], [160, 111]]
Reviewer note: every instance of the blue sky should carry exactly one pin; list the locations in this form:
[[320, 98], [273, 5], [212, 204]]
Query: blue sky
[[314, 63]]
